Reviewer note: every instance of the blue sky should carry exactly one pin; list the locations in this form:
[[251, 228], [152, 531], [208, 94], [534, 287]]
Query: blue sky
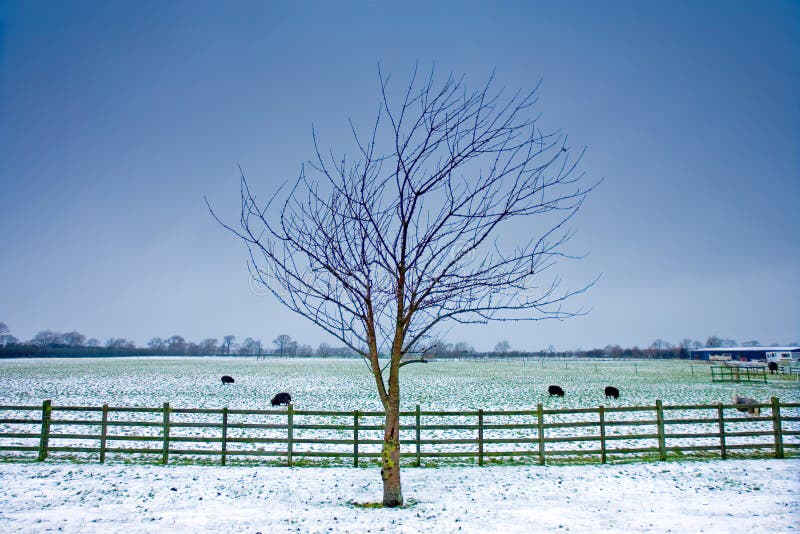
[[117, 117]]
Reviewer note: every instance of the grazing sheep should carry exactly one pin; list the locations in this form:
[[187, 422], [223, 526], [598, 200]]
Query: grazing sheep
[[611, 391], [773, 366], [227, 379], [746, 405], [555, 391], [281, 399]]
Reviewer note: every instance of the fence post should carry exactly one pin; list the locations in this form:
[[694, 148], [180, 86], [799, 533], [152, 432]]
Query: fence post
[[47, 408], [480, 437], [662, 441], [165, 449], [720, 415], [776, 427], [419, 451], [355, 438], [103, 434], [224, 455], [540, 426], [602, 434], [290, 436]]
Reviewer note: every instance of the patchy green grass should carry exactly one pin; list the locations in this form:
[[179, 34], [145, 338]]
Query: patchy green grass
[[346, 385]]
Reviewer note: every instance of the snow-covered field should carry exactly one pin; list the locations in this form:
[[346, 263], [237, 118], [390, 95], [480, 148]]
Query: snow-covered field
[[714, 496], [345, 384], [720, 496]]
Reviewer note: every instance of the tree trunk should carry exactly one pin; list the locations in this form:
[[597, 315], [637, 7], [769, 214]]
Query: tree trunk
[[390, 456]]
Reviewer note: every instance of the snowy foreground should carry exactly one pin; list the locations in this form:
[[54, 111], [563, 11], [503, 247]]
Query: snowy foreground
[[717, 496]]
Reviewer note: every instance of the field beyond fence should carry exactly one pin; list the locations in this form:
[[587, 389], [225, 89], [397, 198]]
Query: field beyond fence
[[301, 437]]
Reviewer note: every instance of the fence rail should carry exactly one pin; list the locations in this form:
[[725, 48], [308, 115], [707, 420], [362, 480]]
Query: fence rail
[[733, 373], [285, 436]]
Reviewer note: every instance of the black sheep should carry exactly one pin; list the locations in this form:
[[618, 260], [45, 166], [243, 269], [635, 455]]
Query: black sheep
[[281, 399], [227, 379], [773, 366], [612, 392], [555, 391], [746, 405]]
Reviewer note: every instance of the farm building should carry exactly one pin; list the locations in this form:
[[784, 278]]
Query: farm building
[[777, 354]]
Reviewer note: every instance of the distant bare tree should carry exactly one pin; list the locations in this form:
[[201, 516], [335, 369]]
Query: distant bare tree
[[250, 346], [660, 344], [228, 343], [751, 343], [176, 344], [455, 208], [502, 347], [462, 348], [157, 344], [208, 346], [93, 343], [73, 339], [324, 350], [45, 338], [284, 345], [120, 343], [6, 338]]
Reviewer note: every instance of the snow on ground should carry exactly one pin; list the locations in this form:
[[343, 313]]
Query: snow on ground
[[716, 496]]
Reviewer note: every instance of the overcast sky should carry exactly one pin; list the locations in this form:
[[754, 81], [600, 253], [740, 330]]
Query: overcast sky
[[117, 117]]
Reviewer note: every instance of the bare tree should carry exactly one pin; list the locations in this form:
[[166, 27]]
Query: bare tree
[[228, 343], [6, 338], [176, 344], [209, 345], [73, 339], [502, 347], [284, 345], [45, 338], [324, 350], [454, 208], [120, 343], [660, 344], [462, 348], [250, 346], [157, 344]]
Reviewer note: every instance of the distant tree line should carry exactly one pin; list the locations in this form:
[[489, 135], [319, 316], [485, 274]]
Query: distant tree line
[[659, 349], [74, 344], [52, 343]]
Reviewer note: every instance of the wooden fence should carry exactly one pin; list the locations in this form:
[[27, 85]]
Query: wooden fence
[[732, 373], [294, 437]]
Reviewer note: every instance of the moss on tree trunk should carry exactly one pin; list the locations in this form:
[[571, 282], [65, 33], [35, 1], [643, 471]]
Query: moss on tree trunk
[[390, 458]]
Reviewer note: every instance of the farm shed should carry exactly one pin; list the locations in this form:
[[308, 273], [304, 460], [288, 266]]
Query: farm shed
[[746, 354]]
